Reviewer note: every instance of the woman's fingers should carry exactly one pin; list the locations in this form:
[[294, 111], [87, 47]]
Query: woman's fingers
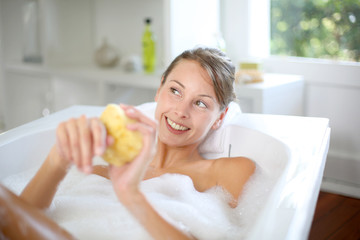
[[99, 136], [135, 114], [86, 143], [146, 130], [74, 143], [127, 177], [146, 126], [148, 148], [62, 140], [78, 140]]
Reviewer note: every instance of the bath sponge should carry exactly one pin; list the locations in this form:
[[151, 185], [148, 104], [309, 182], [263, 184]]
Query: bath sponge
[[127, 144]]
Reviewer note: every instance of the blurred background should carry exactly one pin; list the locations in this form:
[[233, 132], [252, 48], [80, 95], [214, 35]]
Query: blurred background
[[292, 58]]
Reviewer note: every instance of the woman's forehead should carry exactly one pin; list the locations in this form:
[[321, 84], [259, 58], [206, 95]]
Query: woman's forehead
[[190, 70]]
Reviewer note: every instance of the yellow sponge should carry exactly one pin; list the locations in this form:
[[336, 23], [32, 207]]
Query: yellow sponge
[[127, 144]]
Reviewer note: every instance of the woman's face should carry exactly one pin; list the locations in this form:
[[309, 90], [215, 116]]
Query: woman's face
[[187, 106]]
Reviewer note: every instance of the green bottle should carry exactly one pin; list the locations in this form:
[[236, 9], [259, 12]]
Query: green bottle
[[149, 51]]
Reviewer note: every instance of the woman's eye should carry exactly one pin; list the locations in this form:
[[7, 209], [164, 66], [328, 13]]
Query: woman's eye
[[200, 104], [175, 91]]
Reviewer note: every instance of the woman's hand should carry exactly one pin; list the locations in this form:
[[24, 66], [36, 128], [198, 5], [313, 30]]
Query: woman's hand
[[126, 178], [78, 140], [126, 181]]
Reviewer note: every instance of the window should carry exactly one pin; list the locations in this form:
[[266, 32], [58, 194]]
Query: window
[[316, 29]]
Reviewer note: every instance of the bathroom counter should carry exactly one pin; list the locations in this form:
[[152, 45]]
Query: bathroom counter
[[280, 94]]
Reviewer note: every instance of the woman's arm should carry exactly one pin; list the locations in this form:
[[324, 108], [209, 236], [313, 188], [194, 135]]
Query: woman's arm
[[77, 142], [126, 180], [232, 174], [20, 220], [130, 196], [41, 189], [155, 225]]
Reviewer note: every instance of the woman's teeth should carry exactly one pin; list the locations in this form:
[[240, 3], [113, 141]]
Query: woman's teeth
[[176, 126]]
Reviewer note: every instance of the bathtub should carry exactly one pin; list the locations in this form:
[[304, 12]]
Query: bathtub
[[293, 149]]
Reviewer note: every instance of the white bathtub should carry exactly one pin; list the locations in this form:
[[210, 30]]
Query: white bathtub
[[293, 149]]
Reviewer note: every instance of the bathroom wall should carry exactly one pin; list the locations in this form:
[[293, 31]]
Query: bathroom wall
[[123, 26]]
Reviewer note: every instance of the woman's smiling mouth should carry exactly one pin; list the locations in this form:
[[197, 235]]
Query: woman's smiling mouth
[[176, 126]]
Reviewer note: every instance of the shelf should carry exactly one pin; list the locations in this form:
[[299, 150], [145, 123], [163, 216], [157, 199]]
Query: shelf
[[26, 68], [113, 76]]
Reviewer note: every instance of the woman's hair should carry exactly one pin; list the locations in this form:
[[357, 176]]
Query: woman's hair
[[218, 66]]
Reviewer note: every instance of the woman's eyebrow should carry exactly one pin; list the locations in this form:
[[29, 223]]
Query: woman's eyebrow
[[200, 95], [208, 96], [181, 85]]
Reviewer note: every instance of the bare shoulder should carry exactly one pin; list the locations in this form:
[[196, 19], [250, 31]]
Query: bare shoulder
[[233, 173], [236, 165]]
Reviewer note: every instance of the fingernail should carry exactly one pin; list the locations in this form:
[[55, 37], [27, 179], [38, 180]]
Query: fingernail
[[130, 111]]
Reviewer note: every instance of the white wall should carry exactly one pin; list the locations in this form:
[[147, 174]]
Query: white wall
[[124, 26], [191, 27], [67, 32], [245, 27], [11, 11]]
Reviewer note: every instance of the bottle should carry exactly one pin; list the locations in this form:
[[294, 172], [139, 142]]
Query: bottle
[[148, 45]]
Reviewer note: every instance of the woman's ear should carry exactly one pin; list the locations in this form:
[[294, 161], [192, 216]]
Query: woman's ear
[[218, 122]]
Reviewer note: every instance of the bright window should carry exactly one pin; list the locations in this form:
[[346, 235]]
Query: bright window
[[316, 29]]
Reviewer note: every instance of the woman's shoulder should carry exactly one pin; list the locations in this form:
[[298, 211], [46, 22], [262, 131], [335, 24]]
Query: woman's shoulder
[[237, 164], [233, 173]]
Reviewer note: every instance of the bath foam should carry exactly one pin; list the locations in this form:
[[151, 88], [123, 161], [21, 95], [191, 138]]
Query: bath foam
[[17, 182], [87, 207]]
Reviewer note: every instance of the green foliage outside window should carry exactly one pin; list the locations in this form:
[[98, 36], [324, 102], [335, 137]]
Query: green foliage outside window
[[316, 28]]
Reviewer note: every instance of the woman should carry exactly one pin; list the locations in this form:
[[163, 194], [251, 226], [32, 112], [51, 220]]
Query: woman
[[191, 101]]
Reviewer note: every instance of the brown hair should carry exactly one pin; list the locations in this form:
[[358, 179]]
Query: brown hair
[[218, 66]]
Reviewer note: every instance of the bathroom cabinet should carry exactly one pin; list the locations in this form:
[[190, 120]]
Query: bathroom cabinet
[[33, 91], [281, 94], [27, 97]]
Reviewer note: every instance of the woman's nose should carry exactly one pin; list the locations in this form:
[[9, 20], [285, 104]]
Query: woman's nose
[[182, 109]]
